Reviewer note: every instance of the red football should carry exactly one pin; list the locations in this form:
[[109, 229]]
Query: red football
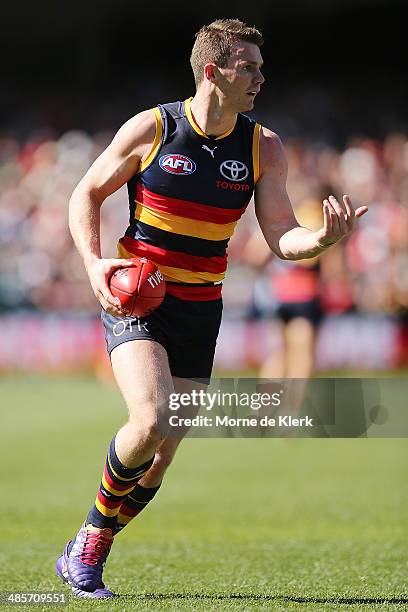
[[140, 288]]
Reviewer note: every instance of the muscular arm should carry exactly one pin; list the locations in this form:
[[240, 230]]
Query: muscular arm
[[285, 237], [115, 166]]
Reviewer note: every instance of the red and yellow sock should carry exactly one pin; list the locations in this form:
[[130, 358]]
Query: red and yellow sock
[[133, 504], [118, 481]]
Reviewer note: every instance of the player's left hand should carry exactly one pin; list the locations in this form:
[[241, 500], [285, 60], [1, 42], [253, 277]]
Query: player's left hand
[[339, 219]]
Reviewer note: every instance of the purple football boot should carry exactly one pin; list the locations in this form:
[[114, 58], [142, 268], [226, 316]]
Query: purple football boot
[[101, 592], [88, 556]]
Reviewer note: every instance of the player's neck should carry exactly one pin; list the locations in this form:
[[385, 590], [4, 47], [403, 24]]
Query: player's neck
[[211, 114]]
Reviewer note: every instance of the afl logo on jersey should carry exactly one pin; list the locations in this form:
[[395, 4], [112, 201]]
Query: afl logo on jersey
[[234, 170], [174, 163]]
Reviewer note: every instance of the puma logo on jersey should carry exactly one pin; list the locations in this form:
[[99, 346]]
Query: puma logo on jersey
[[209, 150]]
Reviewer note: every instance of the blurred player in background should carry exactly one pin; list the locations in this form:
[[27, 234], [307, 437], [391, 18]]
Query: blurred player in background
[[191, 168], [289, 294]]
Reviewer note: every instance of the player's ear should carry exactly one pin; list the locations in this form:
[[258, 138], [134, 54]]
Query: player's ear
[[209, 72]]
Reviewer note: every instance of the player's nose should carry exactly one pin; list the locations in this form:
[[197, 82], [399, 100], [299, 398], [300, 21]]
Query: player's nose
[[260, 79]]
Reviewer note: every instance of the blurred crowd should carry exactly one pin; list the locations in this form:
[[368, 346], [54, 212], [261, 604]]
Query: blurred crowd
[[40, 268]]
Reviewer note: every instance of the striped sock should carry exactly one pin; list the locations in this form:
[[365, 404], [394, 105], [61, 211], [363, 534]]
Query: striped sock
[[117, 482], [133, 504]]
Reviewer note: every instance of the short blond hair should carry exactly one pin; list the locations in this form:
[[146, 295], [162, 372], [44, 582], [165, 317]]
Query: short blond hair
[[214, 43]]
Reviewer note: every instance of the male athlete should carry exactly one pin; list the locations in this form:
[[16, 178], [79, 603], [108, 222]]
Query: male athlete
[[191, 168]]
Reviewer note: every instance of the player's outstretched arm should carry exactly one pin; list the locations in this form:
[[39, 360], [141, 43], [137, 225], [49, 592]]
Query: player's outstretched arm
[[113, 168], [284, 235]]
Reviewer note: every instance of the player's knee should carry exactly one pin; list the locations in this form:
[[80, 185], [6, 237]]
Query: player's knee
[[147, 431], [144, 403]]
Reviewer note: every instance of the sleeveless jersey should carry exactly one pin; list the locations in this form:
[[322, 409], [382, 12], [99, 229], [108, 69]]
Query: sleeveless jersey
[[187, 197]]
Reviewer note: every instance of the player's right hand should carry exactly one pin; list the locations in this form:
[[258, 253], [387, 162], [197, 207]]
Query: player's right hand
[[99, 273], [339, 219]]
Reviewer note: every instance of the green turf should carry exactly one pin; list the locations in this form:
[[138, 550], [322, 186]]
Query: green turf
[[239, 524]]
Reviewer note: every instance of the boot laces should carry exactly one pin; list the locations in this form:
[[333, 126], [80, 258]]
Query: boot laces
[[96, 546]]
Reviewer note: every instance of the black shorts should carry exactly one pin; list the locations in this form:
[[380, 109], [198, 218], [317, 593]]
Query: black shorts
[[188, 331], [310, 310]]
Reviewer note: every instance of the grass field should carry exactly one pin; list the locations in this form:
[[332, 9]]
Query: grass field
[[240, 524]]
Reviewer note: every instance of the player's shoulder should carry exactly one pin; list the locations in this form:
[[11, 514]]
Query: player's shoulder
[[175, 109], [138, 130], [271, 148], [247, 122], [141, 123], [146, 120], [270, 138]]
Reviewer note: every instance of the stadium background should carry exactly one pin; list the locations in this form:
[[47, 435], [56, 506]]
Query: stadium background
[[317, 524], [335, 92]]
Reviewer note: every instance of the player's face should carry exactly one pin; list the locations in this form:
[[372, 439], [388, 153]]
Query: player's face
[[241, 79]]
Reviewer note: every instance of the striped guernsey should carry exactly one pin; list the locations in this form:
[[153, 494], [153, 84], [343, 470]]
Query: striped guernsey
[[187, 197]]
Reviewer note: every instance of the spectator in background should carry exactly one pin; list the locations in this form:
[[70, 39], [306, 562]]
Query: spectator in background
[[290, 293]]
